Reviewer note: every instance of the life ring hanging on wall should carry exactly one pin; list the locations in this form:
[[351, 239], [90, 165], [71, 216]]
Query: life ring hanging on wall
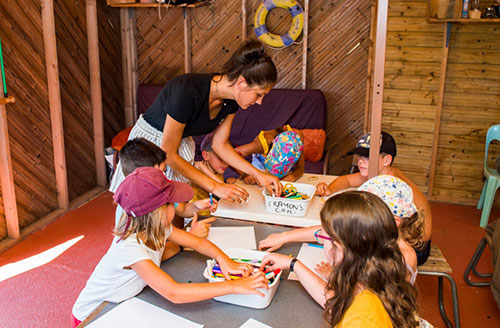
[[274, 40]]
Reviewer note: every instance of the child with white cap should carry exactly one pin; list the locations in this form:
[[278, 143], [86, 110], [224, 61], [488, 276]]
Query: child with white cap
[[398, 196]]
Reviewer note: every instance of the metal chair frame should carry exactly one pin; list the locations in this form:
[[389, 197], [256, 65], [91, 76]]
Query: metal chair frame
[[454, 295], [472, 266]]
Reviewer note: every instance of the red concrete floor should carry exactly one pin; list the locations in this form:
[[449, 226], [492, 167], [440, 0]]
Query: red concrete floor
[[43, 296]]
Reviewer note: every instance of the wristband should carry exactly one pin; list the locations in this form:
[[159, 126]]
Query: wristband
[[292, 264]]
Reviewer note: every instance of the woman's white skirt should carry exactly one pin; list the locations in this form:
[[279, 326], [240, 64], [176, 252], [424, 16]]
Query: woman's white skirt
[[143, 129]]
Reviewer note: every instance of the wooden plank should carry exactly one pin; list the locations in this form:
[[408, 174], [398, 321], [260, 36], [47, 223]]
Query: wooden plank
[[6, 177], [439, 107], [417, 97], [407, 9], [396, 81], [414, 39], [49, 37], [187, 40], [129, 62], [411, 24], [378, 87], [412, 68], [243, 20], [401, 53], [304, 43], [95, 91], [475, 56]]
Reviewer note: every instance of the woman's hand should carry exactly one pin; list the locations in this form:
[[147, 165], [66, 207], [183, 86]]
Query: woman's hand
[[324, 269], [322, 189], [249, 180], [275, 261], [249, 285], [270, 182], [230, 192], [272, 242], [205, 204]]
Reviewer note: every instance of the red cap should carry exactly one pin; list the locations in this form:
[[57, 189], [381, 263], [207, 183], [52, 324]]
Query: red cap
[[146, 189]]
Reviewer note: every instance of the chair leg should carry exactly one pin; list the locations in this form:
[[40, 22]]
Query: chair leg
[[488, 201], [472, 266], [454, 295], [483, 193]]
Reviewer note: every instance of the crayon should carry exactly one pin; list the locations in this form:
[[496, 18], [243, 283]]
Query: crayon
[[211, 199]]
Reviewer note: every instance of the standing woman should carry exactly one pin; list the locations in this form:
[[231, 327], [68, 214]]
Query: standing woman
[[197, 104]]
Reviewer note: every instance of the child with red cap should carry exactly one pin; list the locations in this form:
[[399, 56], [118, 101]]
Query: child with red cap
[[133, 260]]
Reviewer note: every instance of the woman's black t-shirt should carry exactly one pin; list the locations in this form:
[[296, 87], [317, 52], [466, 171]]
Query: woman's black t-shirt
[[185, 99]]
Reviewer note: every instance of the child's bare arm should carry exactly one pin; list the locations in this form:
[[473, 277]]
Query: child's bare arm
[[341, 183], [175, 292], [253, 147], [170, 250], [276, 240]]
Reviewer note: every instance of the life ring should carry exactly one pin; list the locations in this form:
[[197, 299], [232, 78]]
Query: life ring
[[274, 40]]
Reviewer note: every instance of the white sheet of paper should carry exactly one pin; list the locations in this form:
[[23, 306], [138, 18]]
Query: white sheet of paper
[[252, 323], [310, 256], [135, 313], [233, 237]]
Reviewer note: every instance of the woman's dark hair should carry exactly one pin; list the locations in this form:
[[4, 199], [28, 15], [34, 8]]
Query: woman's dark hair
[[251, 61], [364, 227]]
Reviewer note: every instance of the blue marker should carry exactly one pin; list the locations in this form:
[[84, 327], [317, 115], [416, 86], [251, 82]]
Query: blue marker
[[211, 199], [315, 245]]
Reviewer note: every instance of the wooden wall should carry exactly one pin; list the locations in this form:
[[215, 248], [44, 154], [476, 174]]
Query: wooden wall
[[471, 99], [29, 118], [335, 28]]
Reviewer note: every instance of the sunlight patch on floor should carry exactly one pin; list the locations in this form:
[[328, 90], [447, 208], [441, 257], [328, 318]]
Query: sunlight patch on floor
[[13, 269]]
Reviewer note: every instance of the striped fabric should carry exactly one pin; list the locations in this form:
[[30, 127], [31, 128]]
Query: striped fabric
[[142, 129]]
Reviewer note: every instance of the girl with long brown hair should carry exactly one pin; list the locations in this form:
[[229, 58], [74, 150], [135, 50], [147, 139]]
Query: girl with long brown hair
[[367, 285]]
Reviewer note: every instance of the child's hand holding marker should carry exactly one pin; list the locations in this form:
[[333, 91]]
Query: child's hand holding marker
[[275, 261], [206, 204]]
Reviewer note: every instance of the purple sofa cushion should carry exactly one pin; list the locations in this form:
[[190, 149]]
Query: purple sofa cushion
[[302, 109]]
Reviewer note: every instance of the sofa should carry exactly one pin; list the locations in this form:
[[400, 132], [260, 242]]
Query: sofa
[[302, 109]]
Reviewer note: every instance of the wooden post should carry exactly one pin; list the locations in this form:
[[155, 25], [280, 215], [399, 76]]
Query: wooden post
[[95, 91], [439, 107], [6, 177], [304, 43], [243, 20], [369, 77], [49, 41], [378, 87], [129, 64], [187, 40]]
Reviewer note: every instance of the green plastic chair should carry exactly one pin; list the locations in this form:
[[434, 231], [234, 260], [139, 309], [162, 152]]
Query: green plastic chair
[[492, 181]]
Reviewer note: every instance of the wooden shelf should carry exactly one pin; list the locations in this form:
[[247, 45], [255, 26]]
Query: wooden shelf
[[156, 5], [464, 20]]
